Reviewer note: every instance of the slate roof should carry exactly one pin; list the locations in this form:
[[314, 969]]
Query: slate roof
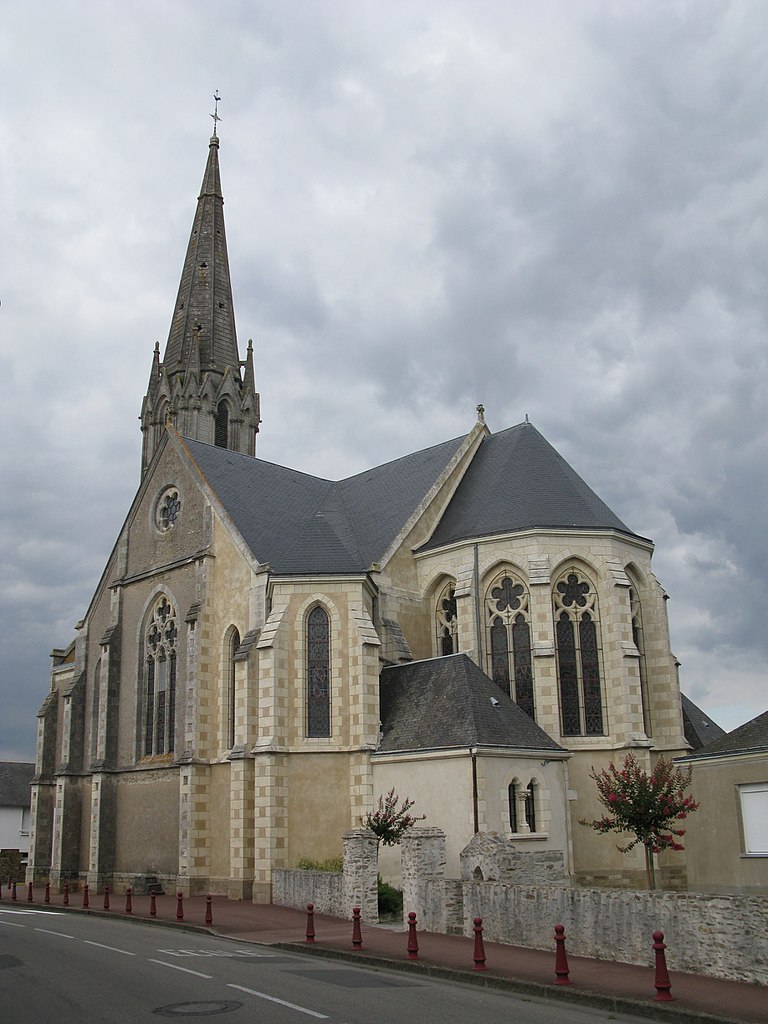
[[449, 702], [752, 736], [517, 481], [699, 728], [15, 779], [299, 523]]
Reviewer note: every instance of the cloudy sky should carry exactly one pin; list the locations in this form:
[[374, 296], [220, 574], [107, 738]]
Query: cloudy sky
[[554, 208]]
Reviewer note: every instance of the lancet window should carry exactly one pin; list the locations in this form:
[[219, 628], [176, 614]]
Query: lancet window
[[221, 434], [509, 640], [318, 673], [160, 679], [447, 623], [638, 639], [577, 633], [231, 651]]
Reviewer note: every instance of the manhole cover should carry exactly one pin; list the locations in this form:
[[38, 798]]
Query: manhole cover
[[197, 1009]]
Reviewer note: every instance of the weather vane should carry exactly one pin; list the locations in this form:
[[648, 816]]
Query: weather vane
[[215, 114]]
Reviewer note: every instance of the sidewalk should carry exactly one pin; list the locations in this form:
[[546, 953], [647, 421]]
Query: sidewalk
[[607, 984]]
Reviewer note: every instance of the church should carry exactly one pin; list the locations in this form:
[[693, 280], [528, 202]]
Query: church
[[268, 652]]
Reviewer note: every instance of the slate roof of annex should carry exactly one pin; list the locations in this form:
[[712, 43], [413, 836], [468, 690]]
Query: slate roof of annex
[[298, 523], [449, 702], [753, 735], [15, 779], [698, 727]]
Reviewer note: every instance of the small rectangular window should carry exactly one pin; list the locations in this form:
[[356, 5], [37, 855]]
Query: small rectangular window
[[754, 817]]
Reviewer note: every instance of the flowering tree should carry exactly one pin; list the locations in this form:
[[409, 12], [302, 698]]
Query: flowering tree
[[390, 822], [646, 805]]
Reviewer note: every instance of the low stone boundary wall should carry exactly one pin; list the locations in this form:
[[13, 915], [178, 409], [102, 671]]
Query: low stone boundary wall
[[722, 936], [298, 888]]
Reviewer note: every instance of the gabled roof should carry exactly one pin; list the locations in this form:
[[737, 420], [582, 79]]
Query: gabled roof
[[299, 523], [450, 703], [517, 481], [15, 779], [752, 736], [699, 728]]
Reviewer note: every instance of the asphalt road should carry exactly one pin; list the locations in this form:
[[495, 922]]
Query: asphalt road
[[58, 968]]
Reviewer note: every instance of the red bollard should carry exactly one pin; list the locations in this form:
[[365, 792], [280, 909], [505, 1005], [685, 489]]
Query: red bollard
[[310, 922], [13, 890], [66, 894], [152, 904], [30, 898], [128, 900], [561, 958], [413, 942], [106, 897], [86, 902], [479, 954], [662, 982], [179, 906], [357, 934], [47, 892], [209, 909]]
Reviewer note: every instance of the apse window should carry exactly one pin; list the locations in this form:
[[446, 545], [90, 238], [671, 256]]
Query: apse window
[[754, 818], [168, 510]]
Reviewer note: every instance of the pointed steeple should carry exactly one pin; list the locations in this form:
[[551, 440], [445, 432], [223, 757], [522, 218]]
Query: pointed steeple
[[201, 353], [204, 310]]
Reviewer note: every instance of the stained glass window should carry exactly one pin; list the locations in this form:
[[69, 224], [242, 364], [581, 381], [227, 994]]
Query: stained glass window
[[160, 679], [234, 643], [318, 673], [168, 509], [578, 656], [512, 806], [509, 640], [638, 639], [447, 622]]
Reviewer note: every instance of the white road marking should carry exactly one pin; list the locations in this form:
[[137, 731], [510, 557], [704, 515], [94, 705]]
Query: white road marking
[[62, 935], [177, 968], [13, 924], [282, 1002], [232, 954], [102, 946], [50, 913]]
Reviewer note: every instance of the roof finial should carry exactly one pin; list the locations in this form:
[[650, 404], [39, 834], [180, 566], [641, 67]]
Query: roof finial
[[215, 114], [526, 418], [481, 414]]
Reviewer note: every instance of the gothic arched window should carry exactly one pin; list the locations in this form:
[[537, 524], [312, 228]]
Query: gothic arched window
[[318, 673], [639, 642], [447, 622], [530, 805], [95, 711], [229, 668], [578, 655], [512, 796], [221, 432], [509, 640], [160, 679]]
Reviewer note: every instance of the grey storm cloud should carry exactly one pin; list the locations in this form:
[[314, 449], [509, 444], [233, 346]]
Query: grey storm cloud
[[559, 210]]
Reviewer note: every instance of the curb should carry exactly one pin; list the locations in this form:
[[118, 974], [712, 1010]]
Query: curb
[[487, 979]]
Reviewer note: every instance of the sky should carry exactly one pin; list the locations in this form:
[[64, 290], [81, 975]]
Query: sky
[[556, 209]]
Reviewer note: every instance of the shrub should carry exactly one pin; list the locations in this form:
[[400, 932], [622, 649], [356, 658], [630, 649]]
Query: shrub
[[335, 864], [390, 899]]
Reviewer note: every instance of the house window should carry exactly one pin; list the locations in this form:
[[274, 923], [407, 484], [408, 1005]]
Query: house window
[[160, 679], [232, 646], [318, 673], [578, 656], [638, 639], [754, 818], [447, 622], [509, 640]]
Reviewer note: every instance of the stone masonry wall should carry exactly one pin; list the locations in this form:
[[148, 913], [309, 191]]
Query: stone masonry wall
[[298, 888], [714, 935]]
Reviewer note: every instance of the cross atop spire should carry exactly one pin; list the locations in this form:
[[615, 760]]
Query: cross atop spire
[[215, 114]]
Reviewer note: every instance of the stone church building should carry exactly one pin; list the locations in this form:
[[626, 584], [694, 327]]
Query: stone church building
[[267, 652]]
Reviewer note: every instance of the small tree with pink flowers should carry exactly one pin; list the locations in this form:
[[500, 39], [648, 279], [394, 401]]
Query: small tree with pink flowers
[[647, 805]]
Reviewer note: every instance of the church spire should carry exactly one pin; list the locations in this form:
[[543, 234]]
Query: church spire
[[199, 385]]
